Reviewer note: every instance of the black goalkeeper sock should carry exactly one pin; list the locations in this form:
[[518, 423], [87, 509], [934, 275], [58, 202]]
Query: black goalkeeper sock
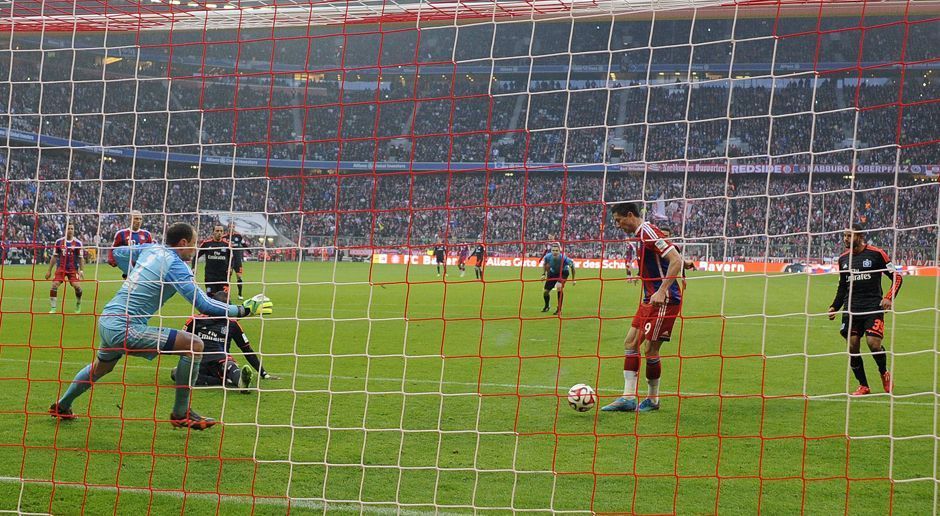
[[547, 297], [858, 369], [239, 287], [881, 359]]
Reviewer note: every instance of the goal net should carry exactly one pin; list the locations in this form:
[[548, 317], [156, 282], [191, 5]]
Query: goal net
[[396, 173]]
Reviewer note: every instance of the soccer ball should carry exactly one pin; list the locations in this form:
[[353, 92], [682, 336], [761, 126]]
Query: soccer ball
[[581, 397]]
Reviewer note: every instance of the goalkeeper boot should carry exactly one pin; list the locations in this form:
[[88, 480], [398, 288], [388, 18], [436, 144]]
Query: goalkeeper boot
[[886, 381], [65, 414], [191, 420], [647, 405], [245, 378], [621, 404], [861, 391]]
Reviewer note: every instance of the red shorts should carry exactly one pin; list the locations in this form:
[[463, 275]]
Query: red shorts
[[70, 276], [656, 322]]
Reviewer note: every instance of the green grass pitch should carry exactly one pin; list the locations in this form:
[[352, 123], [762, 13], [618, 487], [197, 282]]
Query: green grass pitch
[[416, 394]]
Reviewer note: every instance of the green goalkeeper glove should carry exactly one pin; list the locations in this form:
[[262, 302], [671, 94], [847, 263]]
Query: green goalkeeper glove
[[259, 304]]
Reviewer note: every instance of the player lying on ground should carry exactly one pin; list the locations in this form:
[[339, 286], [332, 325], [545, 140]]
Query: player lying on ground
[[68, 261], [660, 264], [555, 272], [860, 270], [218, 367], [159, 272]]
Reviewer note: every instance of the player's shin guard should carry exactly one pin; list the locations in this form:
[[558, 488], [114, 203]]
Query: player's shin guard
[[547, 297], [858, 369], [53, 294], [631, 368], [561, 300], [186, 376], [78, 298], [654, 369]]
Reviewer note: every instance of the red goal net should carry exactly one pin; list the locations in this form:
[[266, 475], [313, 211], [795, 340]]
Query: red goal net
[[394, 176]]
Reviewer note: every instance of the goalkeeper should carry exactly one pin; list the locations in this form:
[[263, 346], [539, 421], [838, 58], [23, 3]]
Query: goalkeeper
[[158, 272], [217, 334]]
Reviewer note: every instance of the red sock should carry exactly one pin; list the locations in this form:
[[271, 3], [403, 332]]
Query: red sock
[[631, 362], [654, 369]]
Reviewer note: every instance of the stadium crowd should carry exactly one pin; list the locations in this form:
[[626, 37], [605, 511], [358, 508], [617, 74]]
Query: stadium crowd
[[243, 99], [786, 216]]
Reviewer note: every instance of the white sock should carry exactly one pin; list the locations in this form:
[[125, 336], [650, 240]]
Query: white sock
[[52, 303], [654, 389], [629, 384]]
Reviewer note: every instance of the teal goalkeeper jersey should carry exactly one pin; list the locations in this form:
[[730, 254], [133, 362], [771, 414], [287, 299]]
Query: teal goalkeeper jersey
[[154, 274]]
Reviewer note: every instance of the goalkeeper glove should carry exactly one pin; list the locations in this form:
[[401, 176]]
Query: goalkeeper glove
[[258, 304]]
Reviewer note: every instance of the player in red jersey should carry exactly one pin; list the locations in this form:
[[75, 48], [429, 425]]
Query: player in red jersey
[[462, 254], [131, 236], [68, 261], [660, 265]]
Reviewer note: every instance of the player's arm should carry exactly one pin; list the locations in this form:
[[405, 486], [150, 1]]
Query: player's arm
[[81, 263], [118, 242], [888, 301], [842, 293], [676, 261], [122, 258], [53, 262], [181, 278]]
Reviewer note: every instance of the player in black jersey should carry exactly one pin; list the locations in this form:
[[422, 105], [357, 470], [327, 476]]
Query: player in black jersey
[[440, 258], [479, 257], [219, 261], [238, 254], [860, 270], [217, 366]]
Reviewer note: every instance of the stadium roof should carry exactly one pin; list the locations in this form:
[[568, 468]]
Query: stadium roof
[[125, 15]]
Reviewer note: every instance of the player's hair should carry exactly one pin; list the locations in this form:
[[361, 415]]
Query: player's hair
[[625, 208], [179, 231], [221, 296], [857, 228], [136, 213]]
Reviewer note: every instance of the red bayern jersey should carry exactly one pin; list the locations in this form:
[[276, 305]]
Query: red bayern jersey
[[68, 252], [653, 247], [127, 236]]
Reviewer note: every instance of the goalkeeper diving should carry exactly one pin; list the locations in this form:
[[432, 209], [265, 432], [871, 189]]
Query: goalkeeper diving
[[155, 272]]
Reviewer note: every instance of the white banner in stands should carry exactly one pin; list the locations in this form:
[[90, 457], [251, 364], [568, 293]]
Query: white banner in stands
[[247, 223]]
